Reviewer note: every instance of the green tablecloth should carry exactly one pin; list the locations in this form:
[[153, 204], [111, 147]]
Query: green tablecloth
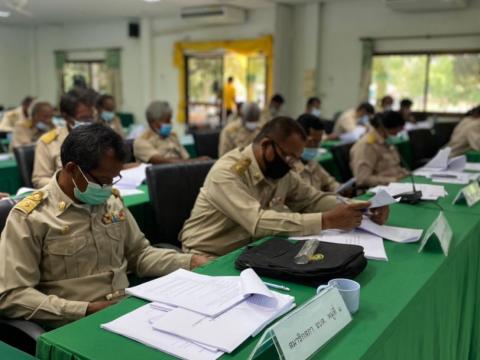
[[10, 353], [142, 211], [415, 306], [10, 180], [473, 156]]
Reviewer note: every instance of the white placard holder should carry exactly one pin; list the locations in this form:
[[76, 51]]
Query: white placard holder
[[469, 193], [441, 228], [302, 333]]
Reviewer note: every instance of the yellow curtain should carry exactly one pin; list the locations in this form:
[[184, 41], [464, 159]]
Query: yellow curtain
[[262, 45]]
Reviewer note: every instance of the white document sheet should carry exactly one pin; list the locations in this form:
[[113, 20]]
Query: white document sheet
[[382, 198], [442, 162], [137, 325], [230, 329], [5, 157], [393, 233], [372, 245], [472, 166], [429, 192], [353, 135], [447, 177], [133, 177], [130, 192], [207, 295]]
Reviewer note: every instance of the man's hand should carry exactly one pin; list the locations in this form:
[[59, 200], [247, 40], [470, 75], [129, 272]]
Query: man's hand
[[198, 260], [380, 215], [344, 216], [95, 306], [3, 195]]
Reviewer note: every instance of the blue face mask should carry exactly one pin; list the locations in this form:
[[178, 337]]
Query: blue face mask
[[77, 123], [316, 112], [364, 120], [41, 126], [165, 130], [107, 116], [58, 121], [94, 194], [391, 139], [309, 153]]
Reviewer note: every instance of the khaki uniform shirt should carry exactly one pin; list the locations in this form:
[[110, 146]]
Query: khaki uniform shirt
[[347, 122], [57, 256], [115, 125], [234, 135], [150, 143], [47, 156], [237, 205], [315, 175], [374, 162], [24, 133], [10, 118], [465, 137]]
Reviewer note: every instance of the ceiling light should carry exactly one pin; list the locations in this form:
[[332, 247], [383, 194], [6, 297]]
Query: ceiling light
[[152, 1], [4, 14]]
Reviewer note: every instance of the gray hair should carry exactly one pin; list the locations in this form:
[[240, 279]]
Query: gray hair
[[158, 110], [250, 112], [37, 106]]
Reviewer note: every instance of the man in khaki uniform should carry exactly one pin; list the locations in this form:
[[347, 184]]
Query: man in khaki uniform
[[106, 114], [242, 131], [28, 131], [466, 136], [66, 249], [313, 173], [77, 110], [10, 118], [373, 159], [246, 192], [350, 119], [273, 110], [158, 144]]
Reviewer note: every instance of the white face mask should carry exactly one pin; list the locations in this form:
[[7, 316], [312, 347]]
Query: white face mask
[[316, 112], [251, 126]]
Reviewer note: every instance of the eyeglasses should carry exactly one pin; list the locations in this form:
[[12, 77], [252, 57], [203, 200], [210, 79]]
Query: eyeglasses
[[98, 182]]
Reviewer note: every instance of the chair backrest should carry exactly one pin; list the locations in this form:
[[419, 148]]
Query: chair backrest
[[206, 142], [126, 119], [423, 146], [341, 155], [443, 132], [128, 145], [25, 155], [328, 125], [173, 189], [5, 206]]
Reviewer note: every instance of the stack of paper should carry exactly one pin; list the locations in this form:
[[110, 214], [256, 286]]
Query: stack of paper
[[372, 245], [472, 166], [133, 177], [445, 170], [354, 135], [429, 192], [200, 316], [393, 233]]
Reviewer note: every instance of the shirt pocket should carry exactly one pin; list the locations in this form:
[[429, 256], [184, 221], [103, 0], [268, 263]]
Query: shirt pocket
[[64, 257], [116, 233]]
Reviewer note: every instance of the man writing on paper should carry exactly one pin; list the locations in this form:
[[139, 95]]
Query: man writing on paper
[[251, 193], [66, 249]]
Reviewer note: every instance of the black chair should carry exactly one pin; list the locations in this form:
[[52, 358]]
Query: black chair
[[173, 189], [423, 146], [25, 156], [206, 142], [128, 145], [328, 126], [21, 334], [341, 156], [443, 131]]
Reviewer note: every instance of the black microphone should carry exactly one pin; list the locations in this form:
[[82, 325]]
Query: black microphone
[[411, 197]]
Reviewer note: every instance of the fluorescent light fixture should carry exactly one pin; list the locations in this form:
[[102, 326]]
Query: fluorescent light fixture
[[4, 14], [152, 1]]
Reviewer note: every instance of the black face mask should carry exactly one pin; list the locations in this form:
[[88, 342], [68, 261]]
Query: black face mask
[[277, 168]]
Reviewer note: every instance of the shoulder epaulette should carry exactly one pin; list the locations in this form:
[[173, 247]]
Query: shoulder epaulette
[[241, 166], [371, 139], [49, 136], [25, 123], [116, 193], [29, 203]]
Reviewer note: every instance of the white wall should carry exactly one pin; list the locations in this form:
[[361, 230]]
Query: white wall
[[14, 64]]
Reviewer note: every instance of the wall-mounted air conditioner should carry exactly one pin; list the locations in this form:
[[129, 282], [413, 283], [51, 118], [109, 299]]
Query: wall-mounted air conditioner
[[425, 5], [214, 15]]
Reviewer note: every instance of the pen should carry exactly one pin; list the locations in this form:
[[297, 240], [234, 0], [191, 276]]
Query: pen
[[275, 286]]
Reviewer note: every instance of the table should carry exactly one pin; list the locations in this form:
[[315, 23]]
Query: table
[[415, 306], [473, 156], [8, 352], [10, 180]]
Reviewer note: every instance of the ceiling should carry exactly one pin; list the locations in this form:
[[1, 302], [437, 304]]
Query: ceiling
[[62, 11]]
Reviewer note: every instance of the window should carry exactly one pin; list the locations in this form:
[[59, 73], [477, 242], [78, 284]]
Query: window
[[436, 82], [93, 73]]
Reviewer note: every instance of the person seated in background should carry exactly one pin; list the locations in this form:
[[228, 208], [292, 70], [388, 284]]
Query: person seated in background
[[350, 119], [105, 106], [240, 132], [158, 144], [76, 110], [11, 117], [406, 111], [313, 173], [313, 106], [66, 249], [374, 159], [28, 131], [247, 191], [274, 108], [386, 103], [466, 135]]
